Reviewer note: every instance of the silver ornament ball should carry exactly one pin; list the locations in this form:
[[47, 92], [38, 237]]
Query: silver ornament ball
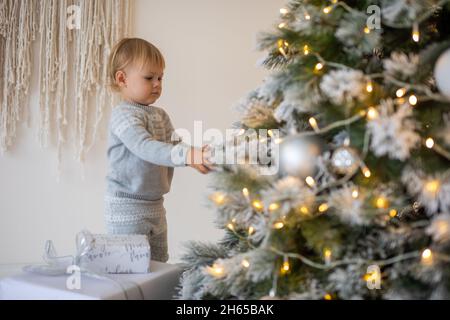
[[345, 160], [442, 73], [298, 155]]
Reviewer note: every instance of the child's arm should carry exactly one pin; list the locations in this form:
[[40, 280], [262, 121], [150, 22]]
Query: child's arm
[[131, 130]]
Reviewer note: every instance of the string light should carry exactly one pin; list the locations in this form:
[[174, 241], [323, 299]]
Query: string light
[[216, 270], [355, 193], [381, 203], [282, 25], [427, 257], [318, 67], [274, 206], [432, 186], [218, 198], [257, 205], [285, 267], [304, 210], [242, 131], [323, 207], [366, 172], [251, 230], [412, 100], [245, 192], [307, 16], [282, 44], [372, 113], [429, 143], [400, 92], [415, 33], [369, 87], [328, 297], [366, 30], [392, 213], [327, 255], [284, 11], [327, 10], [313, 122], [270, 133], [230, 226], [310, 181], [278, 225], [305, 50], [245, 263]]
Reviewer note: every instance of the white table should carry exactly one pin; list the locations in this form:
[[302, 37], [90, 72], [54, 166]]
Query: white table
[[159, 284]]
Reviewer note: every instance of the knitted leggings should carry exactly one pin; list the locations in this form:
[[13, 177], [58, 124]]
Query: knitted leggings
[[131, 216]]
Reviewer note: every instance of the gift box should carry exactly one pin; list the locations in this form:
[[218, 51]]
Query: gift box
[[159, 284], [98, 254], [114, 253]]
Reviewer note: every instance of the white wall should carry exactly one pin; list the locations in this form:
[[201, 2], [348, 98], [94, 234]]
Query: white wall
[[211, 63]]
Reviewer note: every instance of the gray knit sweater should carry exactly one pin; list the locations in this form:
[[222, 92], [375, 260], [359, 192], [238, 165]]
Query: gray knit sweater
[[141, 153]]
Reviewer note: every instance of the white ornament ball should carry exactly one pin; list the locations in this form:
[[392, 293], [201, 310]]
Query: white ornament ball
[[442, 73], [298, 155], [345, 160]]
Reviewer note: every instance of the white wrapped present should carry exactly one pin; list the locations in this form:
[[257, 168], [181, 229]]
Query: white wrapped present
[[159, 284], [99, 254]]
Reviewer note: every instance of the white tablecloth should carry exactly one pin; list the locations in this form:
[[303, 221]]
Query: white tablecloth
[[159, 284]]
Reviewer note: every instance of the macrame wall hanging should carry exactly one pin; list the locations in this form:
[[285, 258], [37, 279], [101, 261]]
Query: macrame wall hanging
[[75, 39]]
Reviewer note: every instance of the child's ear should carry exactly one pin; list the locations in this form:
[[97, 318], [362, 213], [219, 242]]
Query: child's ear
[[121, 79]]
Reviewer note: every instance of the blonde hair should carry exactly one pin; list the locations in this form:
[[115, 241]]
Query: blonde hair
[[132, 50]]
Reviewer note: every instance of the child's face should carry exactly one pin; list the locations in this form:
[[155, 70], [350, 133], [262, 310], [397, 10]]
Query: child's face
[[141, 85]]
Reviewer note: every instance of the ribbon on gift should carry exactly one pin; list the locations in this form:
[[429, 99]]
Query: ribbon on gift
[[58, 265]]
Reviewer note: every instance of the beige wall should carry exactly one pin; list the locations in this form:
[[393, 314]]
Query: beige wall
[[211, 63]]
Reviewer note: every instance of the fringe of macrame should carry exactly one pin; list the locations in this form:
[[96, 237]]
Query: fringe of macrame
[[18, 26], [78, 54]]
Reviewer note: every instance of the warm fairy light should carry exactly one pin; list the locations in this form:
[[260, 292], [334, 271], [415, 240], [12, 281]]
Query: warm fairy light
[[366, 172], [415, 33], [230, 226], [305, 49], [257, 204], [218, 198], [432, 186], [327, 10], [307, 16], [400, 92], [427, 257], [304, 210], [310, 181], [412, 100], [278, 225], [372, 277], [392, 213], [216, 270], [270, 133], [313, 122], [245, 192], [282, 25], [381, 203], [281, 45], [327, 255], [369, 87], [318, 67], [285, 267], [323, 207], [429, 143], [372, 113], [328, 297], [242, 131], [245, 263], [251, 230], [355, 194], [284, 11], [274, 206], [366, 30]]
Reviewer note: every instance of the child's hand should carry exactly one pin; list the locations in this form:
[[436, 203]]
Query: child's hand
[[199, 159]]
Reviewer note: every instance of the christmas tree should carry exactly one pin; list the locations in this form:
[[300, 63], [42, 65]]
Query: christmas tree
[[359, 207]]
